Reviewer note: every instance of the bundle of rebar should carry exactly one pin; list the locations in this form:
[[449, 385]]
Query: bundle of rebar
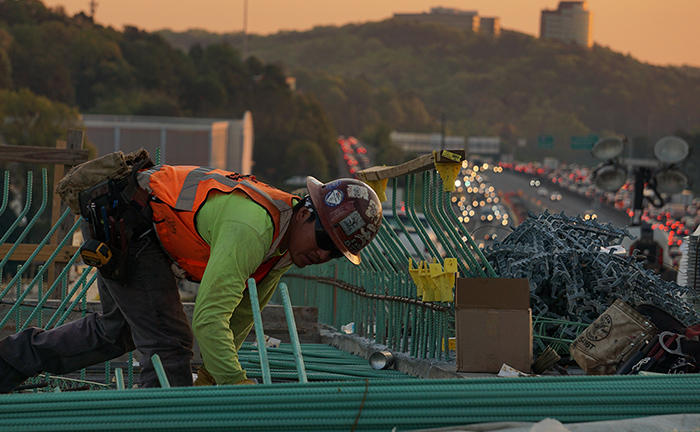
[[382, 405]]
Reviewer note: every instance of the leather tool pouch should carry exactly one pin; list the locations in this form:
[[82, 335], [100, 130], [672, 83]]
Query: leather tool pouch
[[611, 339], [117, 211], [676, 350], [113, 166]]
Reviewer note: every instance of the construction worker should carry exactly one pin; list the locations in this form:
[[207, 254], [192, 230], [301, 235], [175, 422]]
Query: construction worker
[[210, 226], [647, 250]]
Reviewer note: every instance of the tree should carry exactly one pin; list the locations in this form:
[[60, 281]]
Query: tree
[[156, 65], [223, 63], [386, 152], [28, 119], [39, 60], [5, 63], [306, 157], [15, 12], [98, 68]]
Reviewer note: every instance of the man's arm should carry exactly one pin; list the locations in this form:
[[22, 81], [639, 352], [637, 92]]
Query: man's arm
[[240, 234]]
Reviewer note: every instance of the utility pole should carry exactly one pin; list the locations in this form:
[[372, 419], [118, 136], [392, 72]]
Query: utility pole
[[93, 8], [443, 119], [245, 29]]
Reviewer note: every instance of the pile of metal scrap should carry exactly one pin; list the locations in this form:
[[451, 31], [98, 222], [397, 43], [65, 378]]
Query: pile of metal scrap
[[573, 277]]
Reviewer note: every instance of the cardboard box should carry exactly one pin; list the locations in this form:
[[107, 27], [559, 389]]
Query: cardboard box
[[493, 324]]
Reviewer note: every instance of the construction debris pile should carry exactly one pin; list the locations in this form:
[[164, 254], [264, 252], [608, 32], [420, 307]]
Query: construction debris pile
[[575, 277]]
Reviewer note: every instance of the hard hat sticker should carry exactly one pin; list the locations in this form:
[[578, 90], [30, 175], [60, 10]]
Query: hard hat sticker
[[361, 239], [372, 211], [351, 223], [334, 198], [367, 234], [357, 191], [332, 185]]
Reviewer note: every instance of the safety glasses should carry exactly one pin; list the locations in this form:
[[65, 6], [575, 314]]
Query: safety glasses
[[324, 241]]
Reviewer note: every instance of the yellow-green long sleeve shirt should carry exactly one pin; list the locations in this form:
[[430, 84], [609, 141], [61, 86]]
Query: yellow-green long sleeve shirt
[[239, 232]]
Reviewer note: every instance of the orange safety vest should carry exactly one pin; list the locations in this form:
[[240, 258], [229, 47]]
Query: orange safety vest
[[178, 192]]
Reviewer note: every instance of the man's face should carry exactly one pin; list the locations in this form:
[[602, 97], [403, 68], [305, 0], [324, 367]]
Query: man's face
[[303, 249]]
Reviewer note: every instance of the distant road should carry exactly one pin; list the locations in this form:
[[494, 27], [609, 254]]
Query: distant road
[[571, 204]]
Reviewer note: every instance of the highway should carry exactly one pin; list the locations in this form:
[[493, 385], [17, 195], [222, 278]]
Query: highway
[[571, 203], [536, 200]]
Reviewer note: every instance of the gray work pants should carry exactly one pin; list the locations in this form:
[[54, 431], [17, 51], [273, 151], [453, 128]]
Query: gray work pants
[[144, 313]]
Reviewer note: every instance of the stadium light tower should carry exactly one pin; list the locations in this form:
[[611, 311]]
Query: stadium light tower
[[661, 176]]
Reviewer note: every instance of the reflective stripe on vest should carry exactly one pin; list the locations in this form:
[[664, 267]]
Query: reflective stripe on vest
[[182, 190]]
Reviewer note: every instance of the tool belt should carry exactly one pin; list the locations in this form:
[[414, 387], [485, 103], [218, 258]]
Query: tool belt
[[675, 350], [627, 341], [117, 212], [81, 177]]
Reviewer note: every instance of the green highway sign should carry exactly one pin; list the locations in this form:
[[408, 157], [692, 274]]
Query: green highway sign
[[583, 142], [545, 141]]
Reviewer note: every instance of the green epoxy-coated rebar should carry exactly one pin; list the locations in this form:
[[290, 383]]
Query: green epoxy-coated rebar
[[386, 403], [119, 377], [365, 406], [23, 213], [452, 227], [294, 337], [259, 332], [427, 207], [41, 272], [400, 222], [69, 309], [5, 192], [60, 279], [411, 213], [160, 371]]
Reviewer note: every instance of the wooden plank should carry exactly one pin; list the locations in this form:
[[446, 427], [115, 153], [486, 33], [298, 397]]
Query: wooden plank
[[24, 251], [43, 155], [74, 141], [420, 164]]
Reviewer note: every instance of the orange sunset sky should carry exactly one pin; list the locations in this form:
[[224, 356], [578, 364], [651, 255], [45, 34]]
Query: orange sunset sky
[[653, 31]]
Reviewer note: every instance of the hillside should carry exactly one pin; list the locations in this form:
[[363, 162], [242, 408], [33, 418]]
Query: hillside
[[54, 67], [514, 86]]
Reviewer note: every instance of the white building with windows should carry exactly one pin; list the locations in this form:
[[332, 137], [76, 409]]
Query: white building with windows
[[218, 143], [571, 22], [421, 143], [456, 18]]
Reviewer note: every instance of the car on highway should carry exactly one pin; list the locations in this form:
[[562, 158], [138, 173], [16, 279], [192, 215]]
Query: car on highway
[[589, 215]]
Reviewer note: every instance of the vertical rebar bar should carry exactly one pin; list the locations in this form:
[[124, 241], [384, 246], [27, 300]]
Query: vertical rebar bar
[[259, 332], [293, 336]]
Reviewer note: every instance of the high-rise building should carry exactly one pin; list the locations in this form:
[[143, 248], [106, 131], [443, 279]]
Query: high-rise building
[[490, 25], [571, 23]]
